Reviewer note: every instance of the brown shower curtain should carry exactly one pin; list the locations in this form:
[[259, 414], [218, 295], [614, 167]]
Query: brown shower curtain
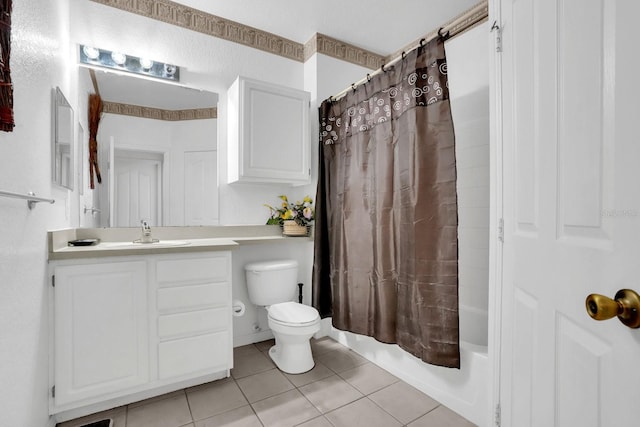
[[386, 254]]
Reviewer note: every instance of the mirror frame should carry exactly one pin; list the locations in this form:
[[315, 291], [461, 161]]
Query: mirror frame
[[62, 149]]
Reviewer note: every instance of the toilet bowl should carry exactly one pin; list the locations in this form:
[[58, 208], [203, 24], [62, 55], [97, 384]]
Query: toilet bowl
[[293, 325], [273, 285]]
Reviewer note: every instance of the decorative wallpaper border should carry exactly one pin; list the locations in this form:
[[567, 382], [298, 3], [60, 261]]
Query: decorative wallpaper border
[[216, 26], [329, 46], [157, 113]]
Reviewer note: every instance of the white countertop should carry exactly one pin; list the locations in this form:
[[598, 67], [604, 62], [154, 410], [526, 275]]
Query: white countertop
[[120, 241]]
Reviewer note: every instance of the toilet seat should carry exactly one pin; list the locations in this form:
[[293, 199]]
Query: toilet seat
[[293, 314]]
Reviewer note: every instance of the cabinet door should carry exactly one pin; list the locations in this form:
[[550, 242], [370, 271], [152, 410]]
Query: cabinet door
[[272, 130], [101, 330]]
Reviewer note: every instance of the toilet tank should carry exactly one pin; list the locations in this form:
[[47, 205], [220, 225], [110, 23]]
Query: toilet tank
[[271, 282]]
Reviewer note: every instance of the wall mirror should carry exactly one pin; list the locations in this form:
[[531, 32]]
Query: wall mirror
[[157, 152], [62, 146]]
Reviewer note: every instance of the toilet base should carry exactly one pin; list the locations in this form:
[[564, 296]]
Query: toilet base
[[292, 358]]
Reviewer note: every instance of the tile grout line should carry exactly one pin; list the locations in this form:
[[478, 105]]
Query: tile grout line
[[307, 399], [428, 412], [371, 400], [314, 418], [322, 414], [186, 396], [296, 388], [386, 412], [247, 399]]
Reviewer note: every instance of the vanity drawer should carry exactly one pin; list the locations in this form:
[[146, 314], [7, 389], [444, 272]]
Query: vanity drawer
[[193, 296], [189, 270], [209, 352], [193, 322]]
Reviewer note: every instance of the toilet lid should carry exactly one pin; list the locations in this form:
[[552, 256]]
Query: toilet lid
[[293, 313]]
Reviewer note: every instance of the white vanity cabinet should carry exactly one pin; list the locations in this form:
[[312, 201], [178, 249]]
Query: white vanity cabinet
[[101, 329], [194, 315], [269, 133], [125, 329]]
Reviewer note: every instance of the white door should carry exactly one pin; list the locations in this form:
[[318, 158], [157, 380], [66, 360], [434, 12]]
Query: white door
[[200, 188], [571, 152], [101, 331], [137, 190]]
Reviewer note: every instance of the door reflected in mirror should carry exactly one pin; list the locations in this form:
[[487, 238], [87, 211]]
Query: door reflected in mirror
[[157, 143], [62, 144]]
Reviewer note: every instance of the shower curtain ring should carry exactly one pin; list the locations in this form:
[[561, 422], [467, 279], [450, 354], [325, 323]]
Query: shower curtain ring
[[353, 86], [382, 68], [368, 77], [443, 35], [404, 54], [422, 42]]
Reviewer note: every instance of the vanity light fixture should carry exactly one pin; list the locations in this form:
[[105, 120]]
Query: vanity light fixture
[[94, 57]]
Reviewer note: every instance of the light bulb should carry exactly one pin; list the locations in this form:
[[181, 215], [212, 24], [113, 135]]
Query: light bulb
[[146, 63], [91, 52], [118, 58]]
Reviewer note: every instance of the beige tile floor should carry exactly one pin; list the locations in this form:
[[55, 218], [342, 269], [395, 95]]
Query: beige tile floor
[[342, 390]]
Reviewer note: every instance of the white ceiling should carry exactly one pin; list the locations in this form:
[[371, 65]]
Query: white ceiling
[[380, 26]]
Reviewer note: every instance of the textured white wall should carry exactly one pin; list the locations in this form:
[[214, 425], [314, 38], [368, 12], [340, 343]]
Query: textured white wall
[[38, 64], [468, 64]]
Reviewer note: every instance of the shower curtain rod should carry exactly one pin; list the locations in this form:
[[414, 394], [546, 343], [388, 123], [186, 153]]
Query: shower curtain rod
[[477, 14]]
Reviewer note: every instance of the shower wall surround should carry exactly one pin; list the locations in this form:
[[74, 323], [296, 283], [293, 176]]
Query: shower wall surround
[[469, 94]]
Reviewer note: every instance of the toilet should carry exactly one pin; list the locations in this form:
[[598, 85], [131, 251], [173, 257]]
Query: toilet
[[273, 285]]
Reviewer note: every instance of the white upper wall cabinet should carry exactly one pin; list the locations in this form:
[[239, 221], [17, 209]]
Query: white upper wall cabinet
[[269, 134]]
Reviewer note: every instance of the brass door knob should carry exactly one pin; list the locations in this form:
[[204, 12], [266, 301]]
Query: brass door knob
[[626, 306]]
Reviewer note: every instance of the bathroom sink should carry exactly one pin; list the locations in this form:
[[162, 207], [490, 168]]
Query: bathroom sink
[[137, 244]]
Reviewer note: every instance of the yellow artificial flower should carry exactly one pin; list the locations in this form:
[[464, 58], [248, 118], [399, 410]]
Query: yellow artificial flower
[[301, 212], [287, 215]]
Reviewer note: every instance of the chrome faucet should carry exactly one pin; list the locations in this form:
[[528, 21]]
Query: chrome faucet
[[146, 232]]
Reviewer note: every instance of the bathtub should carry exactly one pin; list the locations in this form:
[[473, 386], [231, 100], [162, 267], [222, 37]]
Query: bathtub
[[465, 390]]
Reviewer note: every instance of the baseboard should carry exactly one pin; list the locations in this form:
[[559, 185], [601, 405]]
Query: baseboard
[[241, 340]]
